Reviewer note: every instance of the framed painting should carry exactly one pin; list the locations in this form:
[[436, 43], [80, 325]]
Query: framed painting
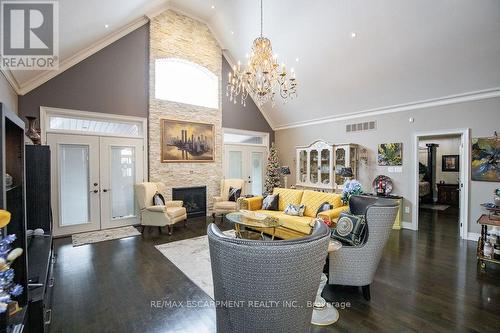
[[450, 163], [185, 141], [390, 154], [485, 163]]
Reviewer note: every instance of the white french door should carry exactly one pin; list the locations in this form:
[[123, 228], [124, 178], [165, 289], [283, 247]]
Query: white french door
[[121, 167], [248, 163], [93, 181]]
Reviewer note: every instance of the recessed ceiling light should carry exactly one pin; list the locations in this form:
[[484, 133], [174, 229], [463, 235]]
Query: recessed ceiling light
[[232, 32], [297, 59], [353, 34], [213, 6], [106, 26]]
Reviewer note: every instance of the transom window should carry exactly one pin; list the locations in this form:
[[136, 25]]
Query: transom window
[[183, 81]]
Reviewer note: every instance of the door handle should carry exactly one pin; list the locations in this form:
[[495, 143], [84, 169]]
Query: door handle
[[95, 191], [106, 190]]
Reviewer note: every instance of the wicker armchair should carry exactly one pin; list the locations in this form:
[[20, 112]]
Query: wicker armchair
[[247, 272], [356, 265]]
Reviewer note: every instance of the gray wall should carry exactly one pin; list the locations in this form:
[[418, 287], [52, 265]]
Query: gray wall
[[482, 117], [113, 80], [238, 116], [7, 95]]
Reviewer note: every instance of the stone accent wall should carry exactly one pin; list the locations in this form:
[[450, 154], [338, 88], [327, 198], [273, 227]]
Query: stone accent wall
[[176, 35]]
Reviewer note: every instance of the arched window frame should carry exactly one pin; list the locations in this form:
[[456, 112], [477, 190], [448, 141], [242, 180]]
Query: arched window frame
[[203, 84]]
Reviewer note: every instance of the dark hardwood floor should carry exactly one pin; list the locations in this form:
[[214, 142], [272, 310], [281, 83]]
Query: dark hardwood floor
[[427, 281]]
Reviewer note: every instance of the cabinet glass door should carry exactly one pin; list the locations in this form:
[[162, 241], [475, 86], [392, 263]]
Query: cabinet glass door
[[314, 164], [325, 166], [303, 166], [340, 160]]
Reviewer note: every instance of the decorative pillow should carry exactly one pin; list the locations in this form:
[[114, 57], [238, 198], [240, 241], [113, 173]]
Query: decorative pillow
[[158, 199], [295, 210], [323, 207], [270, 202], [234, 194], [350, 230]]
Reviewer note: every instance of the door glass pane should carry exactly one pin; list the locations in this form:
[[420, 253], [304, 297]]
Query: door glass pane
[[325, 166], [74, 184], [257, 170], [122, 182], [235, 164], [313, 163]]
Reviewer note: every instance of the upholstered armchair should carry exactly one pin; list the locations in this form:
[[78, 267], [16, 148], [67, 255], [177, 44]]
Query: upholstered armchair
[[221, 203], [158, 216], [247, 272], [356, 265]]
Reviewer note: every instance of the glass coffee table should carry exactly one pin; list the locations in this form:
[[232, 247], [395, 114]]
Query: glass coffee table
[[240, 219]]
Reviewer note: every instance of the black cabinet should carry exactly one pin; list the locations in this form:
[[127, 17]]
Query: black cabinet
[[38, 212], [40, 250], [448, 194]]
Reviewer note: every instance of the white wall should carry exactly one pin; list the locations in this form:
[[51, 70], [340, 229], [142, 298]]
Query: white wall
[[482, 117], [7, 95]]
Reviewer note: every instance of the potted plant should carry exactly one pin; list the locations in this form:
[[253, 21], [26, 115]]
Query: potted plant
[[351, 187]]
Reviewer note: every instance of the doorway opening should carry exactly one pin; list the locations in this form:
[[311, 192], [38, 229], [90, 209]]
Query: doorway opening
[[441, 182], [245, 156], [96, 159]]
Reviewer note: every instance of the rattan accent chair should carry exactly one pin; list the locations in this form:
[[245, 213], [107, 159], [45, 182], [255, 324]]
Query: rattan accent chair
[[248, 271], [356, 265]]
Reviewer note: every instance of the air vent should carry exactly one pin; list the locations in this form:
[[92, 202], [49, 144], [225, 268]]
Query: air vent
[[359, 127]]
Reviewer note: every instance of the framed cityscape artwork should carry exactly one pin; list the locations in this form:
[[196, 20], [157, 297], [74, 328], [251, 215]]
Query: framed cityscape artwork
[[184, 141]]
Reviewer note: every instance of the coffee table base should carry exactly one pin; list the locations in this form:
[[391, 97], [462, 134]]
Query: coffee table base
[[325, 316], [323, 313]]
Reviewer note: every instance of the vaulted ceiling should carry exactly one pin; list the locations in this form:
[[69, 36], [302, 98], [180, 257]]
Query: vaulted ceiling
[[402, 51]]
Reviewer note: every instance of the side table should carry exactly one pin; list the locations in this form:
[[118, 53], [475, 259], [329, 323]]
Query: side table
[[325, 313]]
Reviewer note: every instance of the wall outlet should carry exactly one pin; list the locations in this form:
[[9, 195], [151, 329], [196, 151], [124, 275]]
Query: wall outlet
[[407, 209]]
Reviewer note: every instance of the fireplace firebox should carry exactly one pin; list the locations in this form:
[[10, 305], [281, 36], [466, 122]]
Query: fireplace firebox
[[194, 198]]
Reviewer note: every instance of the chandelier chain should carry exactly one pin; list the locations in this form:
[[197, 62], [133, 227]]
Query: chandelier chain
[[261, 18]]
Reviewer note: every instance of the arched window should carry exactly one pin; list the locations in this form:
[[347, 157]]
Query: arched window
[[183, 81]]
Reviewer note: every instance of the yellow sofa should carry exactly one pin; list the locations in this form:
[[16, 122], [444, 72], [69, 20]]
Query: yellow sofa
[[296, 226]]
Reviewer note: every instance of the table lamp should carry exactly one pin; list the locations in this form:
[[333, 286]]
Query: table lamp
[[285, 171]]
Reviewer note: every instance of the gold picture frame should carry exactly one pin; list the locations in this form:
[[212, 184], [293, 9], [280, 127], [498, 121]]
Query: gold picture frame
[[186, 141]]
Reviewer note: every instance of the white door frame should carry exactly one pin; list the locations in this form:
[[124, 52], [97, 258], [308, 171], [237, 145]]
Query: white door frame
[[46, 112], [464, 176], [245, 148]]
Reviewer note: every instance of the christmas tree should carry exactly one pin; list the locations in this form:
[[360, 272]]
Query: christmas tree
[[272, 170]]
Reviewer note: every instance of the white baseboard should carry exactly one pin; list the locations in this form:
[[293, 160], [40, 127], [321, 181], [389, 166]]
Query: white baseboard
[[472, 236], [407, 225]]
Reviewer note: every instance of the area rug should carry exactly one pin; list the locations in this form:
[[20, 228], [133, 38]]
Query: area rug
[[434, 207], [103, 235], [192, 257]]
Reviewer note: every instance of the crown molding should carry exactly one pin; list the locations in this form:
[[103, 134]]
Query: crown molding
[[11, 80], [427, 103], [82, 55]]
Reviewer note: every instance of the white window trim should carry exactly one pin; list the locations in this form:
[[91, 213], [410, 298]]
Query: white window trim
[[46, 112], [264, 135]]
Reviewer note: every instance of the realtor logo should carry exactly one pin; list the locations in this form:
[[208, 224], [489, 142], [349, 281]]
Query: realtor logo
[[29, 35]]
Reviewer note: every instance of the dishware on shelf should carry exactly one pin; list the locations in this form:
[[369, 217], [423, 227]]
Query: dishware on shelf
[[32, 132]]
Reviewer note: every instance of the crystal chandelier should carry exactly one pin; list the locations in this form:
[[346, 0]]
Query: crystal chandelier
[[263, 77]]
